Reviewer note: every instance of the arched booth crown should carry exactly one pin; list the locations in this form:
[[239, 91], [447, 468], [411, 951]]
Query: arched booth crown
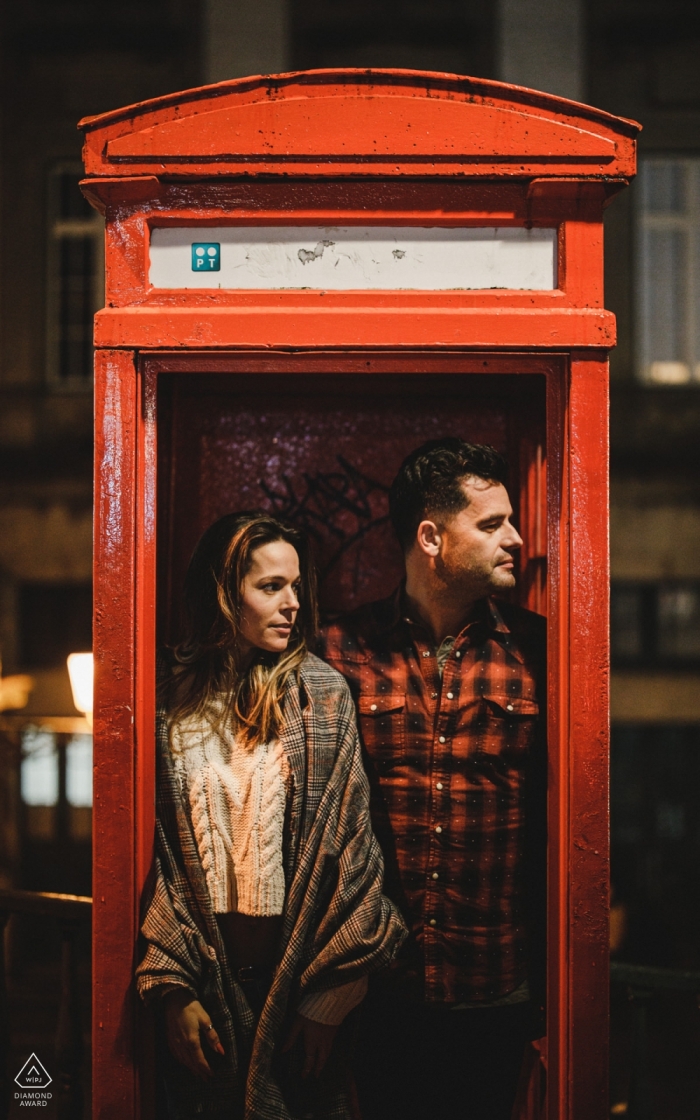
[[307, 275], [360, 122]]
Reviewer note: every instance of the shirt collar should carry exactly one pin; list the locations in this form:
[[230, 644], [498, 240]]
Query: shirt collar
[[486, 613], [496, 620]]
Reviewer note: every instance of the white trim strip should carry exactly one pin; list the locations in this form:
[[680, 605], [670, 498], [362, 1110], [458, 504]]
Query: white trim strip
[[358, 257]]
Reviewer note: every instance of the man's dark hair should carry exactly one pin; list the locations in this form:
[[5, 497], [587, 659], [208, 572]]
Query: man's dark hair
[[429, 482]]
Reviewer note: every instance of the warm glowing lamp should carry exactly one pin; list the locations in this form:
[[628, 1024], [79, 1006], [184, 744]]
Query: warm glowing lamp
[[81, 673]]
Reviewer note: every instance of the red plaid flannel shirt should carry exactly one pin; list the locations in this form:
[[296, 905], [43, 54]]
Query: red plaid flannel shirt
[[456, 772]]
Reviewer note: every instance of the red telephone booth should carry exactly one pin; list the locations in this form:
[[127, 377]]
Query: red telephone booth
[[307, 276]]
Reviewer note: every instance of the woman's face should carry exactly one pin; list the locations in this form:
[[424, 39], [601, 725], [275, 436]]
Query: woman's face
[[269, 602]]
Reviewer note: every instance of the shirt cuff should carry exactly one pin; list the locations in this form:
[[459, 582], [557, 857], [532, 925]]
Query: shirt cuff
[[331, 1007], [153, 994]]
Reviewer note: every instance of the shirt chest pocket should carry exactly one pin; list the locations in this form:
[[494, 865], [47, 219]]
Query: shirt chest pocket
[[506, 726], [383, 727]]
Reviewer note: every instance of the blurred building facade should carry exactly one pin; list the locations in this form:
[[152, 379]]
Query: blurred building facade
[[60, 61], [64, 59]]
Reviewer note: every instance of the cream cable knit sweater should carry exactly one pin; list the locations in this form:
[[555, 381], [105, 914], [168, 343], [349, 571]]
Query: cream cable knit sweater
[[237, 797]]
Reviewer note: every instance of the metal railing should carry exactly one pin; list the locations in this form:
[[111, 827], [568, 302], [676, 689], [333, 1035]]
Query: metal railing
[[643, 982], [70, 912]]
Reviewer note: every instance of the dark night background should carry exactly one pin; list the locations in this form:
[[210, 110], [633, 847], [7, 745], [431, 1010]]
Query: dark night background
[[64, 59]]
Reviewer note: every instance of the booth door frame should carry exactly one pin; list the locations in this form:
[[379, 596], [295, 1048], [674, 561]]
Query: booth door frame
[[125, 642]]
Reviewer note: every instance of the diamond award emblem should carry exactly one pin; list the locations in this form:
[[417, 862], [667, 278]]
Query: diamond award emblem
[[33, 1075]]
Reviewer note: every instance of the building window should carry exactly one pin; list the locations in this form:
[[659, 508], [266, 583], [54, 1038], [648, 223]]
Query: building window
[[655, 625], [75, 289], [668, 249]]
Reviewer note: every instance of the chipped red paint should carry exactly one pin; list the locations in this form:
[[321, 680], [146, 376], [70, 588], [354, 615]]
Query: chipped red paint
[[360, 122], [193, 388]]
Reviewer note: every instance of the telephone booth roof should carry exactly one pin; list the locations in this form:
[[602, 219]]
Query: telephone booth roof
[[360, 122]]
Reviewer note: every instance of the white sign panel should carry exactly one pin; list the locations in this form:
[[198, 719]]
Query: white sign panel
[[352, 258]]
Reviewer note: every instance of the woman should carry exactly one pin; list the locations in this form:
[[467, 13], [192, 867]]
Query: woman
[[266, 914]]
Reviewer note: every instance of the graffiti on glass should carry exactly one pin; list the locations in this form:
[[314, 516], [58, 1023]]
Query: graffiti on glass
[[336, 508]]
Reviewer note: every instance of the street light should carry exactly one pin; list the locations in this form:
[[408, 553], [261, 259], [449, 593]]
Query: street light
[[81, 673]]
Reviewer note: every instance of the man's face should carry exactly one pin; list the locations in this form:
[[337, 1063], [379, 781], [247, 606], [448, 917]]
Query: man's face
[[478, 543]]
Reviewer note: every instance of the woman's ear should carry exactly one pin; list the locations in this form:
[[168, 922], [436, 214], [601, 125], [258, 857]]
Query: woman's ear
[[428, 538]]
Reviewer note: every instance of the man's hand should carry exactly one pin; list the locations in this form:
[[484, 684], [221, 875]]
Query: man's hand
[[186, 1022], [318, 1043]]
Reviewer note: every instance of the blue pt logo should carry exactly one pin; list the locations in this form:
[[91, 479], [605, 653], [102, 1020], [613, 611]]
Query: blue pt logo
[[206, 256]]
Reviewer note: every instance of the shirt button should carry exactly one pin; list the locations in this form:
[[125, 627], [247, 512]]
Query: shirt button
[[438, 828], [458, 654], [426, 653], [509, 707], [438, 785], [433, 922], [450, 695], [442, 738], [373, 707], [435, 875], [433, 695]]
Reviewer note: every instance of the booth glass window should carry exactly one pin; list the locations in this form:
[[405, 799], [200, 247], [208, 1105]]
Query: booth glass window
[[668, 273], [75, 280]]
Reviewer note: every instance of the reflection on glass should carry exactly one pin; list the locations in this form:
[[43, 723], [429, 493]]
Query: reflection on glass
[[668, 270], [666, 255], [663, 184], [79, 771], [39, 767], [679, 621], [626, 623]]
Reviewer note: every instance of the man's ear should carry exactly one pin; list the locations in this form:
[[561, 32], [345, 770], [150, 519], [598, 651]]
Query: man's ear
[[428, 538]]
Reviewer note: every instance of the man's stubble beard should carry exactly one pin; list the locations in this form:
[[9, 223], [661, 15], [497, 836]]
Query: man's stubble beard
[[502, 580], [473, 583]]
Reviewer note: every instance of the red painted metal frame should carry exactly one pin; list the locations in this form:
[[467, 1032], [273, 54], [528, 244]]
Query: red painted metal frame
[[140, 176], [571, 314], [125, 643], [330, 123]]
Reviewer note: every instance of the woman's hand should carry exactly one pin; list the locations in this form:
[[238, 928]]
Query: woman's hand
[[186, 1022], [318, 1043]]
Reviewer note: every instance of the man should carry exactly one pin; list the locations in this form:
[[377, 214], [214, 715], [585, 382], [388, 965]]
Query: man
[[448, 683]]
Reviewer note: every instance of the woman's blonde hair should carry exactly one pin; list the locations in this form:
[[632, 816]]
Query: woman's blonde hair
[[213, 679]]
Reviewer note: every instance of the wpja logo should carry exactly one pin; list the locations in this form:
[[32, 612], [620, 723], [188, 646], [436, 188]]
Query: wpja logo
[[33, 1081]]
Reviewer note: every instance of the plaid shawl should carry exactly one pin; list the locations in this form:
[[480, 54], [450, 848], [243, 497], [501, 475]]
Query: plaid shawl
[[337, 925]]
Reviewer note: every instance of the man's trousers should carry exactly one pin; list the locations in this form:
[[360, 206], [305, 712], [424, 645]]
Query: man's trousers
[[420, 1061]]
